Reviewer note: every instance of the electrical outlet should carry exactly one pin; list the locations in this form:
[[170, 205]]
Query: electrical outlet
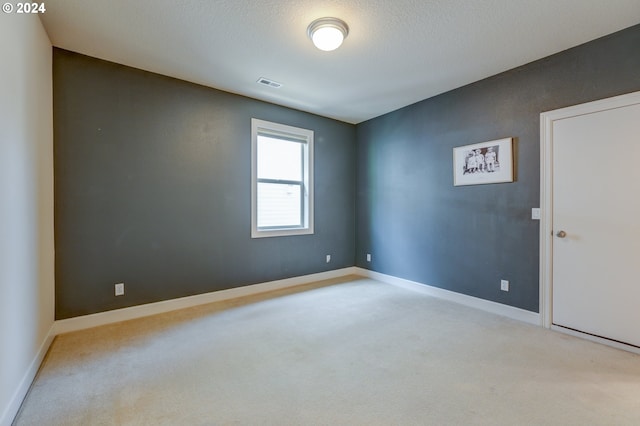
[[368, 257], [328, 258], [120, 289], [504, 285]]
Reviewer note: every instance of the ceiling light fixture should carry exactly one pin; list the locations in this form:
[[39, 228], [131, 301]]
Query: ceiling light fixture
[[327, 33]]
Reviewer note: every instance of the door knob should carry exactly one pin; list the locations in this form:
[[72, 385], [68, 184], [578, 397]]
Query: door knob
[[561, 234]]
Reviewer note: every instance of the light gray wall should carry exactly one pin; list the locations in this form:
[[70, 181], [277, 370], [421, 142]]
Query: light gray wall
[[26, 205], [465, 239], [153, 189]]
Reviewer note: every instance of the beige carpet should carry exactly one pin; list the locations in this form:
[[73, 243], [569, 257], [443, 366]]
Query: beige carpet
[[350, 352]]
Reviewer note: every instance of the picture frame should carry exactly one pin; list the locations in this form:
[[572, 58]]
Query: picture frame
[[483, 163]]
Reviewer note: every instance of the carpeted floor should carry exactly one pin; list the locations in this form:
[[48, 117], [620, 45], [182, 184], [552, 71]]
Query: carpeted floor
[[341, 352]]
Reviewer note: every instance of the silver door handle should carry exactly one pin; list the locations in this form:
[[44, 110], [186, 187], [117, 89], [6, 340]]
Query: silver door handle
[[561, 234]]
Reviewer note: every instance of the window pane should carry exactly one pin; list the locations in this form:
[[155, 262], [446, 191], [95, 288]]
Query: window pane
[[279, 159], [279, 205], [281, 180]]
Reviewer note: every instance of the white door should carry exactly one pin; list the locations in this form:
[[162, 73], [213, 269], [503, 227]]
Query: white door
[[596, 223]]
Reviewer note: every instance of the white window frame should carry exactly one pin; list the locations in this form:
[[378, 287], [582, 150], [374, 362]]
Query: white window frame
[[305, 137]]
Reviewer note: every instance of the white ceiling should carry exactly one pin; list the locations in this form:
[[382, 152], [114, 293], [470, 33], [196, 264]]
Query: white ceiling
[[398, 51]]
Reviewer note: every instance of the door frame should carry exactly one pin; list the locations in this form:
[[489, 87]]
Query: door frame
[[546, 188]]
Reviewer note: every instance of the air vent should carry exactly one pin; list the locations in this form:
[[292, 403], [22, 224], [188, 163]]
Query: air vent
[[269, 83]]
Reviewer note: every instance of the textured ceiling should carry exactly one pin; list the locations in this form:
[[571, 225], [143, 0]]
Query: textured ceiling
[[398, 51]]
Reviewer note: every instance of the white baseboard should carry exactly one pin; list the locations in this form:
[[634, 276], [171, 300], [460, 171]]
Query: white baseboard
[[12, 409], [124, 314], [463, 299]]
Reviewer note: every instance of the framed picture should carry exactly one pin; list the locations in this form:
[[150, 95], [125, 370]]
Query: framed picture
[[486, 162]]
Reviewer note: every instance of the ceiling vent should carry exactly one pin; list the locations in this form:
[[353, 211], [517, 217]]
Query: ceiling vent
[[269, 83]]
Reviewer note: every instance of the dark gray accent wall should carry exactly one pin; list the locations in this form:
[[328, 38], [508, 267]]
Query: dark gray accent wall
[[152, 188], [418, 226]]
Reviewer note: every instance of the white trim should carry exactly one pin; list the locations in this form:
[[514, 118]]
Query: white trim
[[11, 411], [124, 314], [596, 339], [462, 299], [546, 223], [546, 187]]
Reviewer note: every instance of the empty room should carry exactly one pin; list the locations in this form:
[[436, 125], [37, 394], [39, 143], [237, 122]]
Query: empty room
[[319, 212]]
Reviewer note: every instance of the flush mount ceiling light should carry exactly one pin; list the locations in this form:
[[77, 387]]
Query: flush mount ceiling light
[[327, 33]]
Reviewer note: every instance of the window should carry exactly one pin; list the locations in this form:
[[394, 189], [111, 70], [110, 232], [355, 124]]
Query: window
[[281, 180]]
